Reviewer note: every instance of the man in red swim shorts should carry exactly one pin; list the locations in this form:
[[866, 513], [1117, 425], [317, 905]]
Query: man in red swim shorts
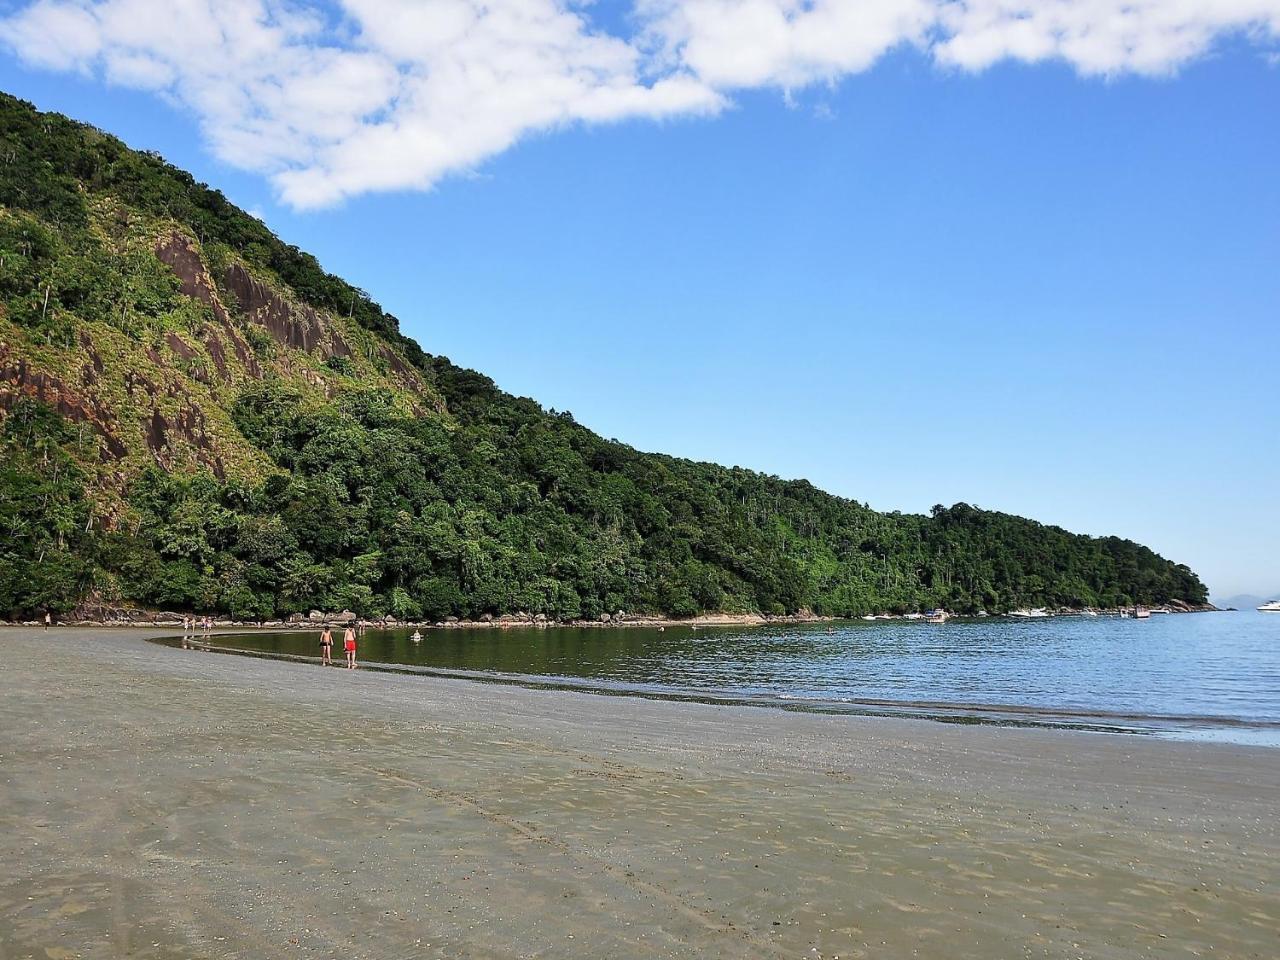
[[349, 644]]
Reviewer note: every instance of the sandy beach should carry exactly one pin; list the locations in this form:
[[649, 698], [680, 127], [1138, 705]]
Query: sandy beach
[[163, 803]]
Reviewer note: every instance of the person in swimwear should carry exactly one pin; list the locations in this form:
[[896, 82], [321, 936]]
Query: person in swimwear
[[349, 644], [326, 646]]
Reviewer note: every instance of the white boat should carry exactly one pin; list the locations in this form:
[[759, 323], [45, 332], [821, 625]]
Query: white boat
[[1033, 614], [869, 616], [936, 616], [1141, 613], [1271, 606]]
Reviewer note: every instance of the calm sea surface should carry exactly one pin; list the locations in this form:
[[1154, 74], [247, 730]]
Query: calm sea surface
[[1208, 676]]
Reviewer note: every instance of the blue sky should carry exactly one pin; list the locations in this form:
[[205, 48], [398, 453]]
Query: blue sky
[[1024, 286]]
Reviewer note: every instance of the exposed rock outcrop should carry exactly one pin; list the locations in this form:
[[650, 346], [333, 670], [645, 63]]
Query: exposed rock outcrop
[[18, 380], [293, 326], [179, 346], [193, 279], [162, 433], [296, 327]]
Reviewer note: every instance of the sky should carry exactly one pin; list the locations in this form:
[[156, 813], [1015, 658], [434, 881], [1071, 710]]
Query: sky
[[1020, 253]]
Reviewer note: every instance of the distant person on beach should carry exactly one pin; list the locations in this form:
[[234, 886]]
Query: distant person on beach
[[349, 644], [326, 645], [48, 619]]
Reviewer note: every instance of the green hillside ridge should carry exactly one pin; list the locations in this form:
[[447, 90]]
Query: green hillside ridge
[[194, 415]]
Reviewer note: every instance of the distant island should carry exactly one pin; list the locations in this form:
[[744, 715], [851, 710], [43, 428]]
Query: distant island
[[1244, 601], [196, 416]]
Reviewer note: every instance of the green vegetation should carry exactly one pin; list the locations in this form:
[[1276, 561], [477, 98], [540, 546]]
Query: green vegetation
[[390, 481], [46, 550]]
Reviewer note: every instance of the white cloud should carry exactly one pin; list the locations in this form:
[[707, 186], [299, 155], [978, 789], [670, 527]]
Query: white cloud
[[786, 43], [1097, 36], [330, 102]]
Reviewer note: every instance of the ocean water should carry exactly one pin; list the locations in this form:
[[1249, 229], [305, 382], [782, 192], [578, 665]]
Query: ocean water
[[1207, 676]]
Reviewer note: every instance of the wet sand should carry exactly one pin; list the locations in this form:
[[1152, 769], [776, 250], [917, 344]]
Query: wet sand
[[173, 803]]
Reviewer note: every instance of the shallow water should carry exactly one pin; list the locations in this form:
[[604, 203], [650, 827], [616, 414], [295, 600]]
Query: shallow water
[[1209, 676]]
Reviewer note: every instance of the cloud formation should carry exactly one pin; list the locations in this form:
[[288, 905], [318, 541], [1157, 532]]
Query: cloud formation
[[330, 101]]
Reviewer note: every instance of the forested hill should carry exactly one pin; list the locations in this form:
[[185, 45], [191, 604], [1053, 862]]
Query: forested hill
[[197, 416]]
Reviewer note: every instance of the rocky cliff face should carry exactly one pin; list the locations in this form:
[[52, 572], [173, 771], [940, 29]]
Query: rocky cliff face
[[183, 257], [19, 379], [162, 398]]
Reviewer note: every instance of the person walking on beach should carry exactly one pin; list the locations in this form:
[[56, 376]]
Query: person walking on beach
[[48, 619], [326, 646], [349, 644]]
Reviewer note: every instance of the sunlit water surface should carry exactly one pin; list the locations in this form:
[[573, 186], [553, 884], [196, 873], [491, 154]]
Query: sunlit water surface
[[1206, 676]]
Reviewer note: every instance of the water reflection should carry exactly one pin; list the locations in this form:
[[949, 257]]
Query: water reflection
[[1208, 672]]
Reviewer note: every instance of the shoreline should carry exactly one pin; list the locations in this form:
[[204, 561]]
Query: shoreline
[[142, 619], [167, 619], [1164, 726], [185, 804]]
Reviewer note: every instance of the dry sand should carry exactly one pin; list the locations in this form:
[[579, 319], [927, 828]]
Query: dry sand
[[171, 803]]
